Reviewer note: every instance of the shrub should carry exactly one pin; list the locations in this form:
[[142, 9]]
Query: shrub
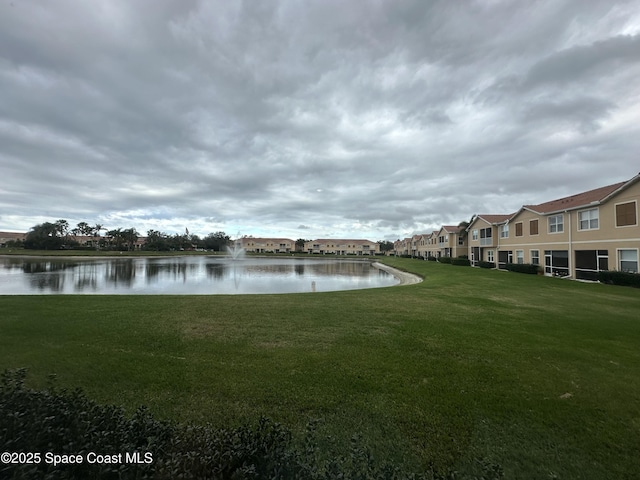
[[465, 262], [444, 259], [68, 423], [483, 264], [523, 268], [431, 258], [613, 277]]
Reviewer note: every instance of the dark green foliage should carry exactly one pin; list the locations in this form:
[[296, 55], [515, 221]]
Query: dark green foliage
[[444, 259], [483, 264], [461, 261], [431, 258], [523, 268], [613, 277], [63, 422]]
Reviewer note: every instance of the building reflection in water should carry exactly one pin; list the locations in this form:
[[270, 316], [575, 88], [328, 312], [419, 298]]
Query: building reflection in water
[[187, 275]]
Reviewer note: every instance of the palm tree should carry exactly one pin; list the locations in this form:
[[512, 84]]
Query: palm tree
[[464, 225]]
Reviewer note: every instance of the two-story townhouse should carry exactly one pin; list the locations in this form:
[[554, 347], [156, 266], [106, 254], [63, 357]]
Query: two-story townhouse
[[578, 235], [483, 237], [7, 237], [342, 247], [422, 245], [452, 241], [267, 245]]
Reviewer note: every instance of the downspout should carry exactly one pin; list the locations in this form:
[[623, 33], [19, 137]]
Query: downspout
[[497, 258], [570, 247]]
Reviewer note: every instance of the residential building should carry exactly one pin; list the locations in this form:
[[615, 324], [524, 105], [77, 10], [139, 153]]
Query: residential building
[[483, 236], [342, 247], [579, 235], [452, 241], [267, 245], [6, 237]]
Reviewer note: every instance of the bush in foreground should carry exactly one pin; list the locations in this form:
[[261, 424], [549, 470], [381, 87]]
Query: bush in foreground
[[612, 277], [461, 261], [483, 264], [523, 268], [68, 423]]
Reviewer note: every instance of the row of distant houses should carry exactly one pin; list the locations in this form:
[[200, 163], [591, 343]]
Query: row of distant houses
[[319, 246], [575, 236], [249, 244]]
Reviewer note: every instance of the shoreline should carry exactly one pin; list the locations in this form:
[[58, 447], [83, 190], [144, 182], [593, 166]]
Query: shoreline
[[405, 278]]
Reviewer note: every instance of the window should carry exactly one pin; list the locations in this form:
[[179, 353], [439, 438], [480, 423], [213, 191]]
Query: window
[[474, 234], [504, 231], [628, 260], [556, 224], [460, 240], [490, 257], [535, 256], [626, 214], [588, 219], [533, 227], [519, 229], [519, 254]]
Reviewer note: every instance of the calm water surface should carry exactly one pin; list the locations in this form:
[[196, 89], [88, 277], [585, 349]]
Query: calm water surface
[[186, 275]]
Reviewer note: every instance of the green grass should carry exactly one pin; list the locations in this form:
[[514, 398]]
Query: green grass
[[538, 374]]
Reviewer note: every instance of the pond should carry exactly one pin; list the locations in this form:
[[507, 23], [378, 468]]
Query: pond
[[186, 275]]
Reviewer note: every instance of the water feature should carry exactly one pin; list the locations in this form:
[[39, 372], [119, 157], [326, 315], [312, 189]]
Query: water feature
[[236, 252], [197, 275]]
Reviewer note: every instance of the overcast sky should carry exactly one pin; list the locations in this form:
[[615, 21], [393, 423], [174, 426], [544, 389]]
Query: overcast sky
[[310, 119]]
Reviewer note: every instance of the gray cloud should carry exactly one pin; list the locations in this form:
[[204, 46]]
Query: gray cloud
[[307, 119]]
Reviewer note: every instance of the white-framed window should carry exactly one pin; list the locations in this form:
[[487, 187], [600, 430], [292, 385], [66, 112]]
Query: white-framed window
[[556, 224], [504, 231], [490, 256], [588, 219], [474, 234], [535, 257], [628, 260], [520, 256]]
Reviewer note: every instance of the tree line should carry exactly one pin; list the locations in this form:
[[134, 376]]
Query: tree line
[[60, 235]]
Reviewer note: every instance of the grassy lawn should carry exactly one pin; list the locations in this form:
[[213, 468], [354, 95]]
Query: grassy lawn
[[538, 374]]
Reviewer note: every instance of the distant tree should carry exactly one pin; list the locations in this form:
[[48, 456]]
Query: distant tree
[[130, 237], [95, 233], [115, 238], [464, 225], [44, 236], [216, 241], [158, 241], [62, 227], [300, 244], [385, 245]]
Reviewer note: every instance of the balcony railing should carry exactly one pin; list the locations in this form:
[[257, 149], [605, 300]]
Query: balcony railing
[[486, 242]]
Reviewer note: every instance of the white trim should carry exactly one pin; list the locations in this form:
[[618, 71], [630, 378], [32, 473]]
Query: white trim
[[618, 258], [588, 229], [549, 224]]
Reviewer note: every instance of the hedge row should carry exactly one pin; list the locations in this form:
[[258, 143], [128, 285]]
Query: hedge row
[[68, 423], [483, 264], [523, 268], [612, 277], [465, 262]]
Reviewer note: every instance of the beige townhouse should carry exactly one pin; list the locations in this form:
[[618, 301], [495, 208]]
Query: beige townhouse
[[6, 237], [267, 245], [483, 237], [422, 248], [577, 236], [342, 247], [452, 241]]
